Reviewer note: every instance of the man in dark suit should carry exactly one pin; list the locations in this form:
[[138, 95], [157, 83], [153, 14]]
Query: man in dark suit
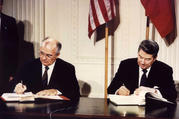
[[61, 76], [157, 78], [9, 44]]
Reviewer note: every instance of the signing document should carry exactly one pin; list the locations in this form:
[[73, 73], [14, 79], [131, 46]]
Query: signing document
[[27, 96], [132, 99]]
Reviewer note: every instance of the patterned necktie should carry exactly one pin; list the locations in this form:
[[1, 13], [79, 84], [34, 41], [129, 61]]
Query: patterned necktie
[[143, 78], [45, 78]]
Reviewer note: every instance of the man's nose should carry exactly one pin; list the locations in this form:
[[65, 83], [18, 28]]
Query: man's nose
[[142, 61], [43, 57]]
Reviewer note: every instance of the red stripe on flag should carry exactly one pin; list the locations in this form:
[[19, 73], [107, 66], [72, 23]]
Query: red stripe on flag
[[89, 29], [94, 13], [113, 13], [93, 18], [103, 10]]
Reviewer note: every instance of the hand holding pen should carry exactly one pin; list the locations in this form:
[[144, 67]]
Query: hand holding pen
[[123, 91], [20, 88]]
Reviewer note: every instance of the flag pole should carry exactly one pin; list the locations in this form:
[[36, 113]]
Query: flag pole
[[106, 60], [147, 28]]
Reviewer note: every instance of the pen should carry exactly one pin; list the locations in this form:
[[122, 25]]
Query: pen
[[22, 84]]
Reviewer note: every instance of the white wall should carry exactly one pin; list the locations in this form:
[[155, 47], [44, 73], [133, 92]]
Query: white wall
[[67, 21]]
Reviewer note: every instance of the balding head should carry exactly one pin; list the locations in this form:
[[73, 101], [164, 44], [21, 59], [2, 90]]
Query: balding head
[[51, 44], [49, 51]]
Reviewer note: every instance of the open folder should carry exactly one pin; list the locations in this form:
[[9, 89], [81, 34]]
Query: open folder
[[144, 99], [127, 100], [152, 100], [29, 96]]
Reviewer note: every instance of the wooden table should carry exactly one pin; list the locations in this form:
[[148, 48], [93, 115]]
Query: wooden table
[[85, 108]]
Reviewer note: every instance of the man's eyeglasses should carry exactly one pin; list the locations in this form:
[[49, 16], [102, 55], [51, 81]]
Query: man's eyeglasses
[[46, 55]]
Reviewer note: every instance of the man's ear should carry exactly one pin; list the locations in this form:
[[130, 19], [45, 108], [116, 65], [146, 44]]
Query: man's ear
[[58, 54], [155, 58]]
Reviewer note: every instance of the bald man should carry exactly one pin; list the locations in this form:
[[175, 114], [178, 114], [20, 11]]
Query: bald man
[[61, 78]]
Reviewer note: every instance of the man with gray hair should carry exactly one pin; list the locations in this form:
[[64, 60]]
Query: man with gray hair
[[48, 75], [144, 74]]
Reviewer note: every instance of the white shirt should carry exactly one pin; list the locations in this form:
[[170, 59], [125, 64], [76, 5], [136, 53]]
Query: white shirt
[[49, 72]]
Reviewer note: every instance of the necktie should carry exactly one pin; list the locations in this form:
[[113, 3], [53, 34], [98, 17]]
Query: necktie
[[45, 77], [143, 78]]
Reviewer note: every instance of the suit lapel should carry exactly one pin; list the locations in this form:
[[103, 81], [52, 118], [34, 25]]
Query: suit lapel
[[136, 75], [151, 74], [39, 70], [3, 20], [53, 74]]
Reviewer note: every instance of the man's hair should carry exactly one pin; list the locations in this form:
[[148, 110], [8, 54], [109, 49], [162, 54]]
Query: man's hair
[[150, 47], [58, 44]]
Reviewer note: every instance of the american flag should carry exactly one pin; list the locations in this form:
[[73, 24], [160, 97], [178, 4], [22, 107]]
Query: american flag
[[100, 12]]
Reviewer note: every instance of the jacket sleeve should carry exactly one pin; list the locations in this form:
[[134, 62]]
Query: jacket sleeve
[[117, 81], [167, 86]]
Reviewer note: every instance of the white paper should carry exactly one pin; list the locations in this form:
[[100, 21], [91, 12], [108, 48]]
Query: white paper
[[127, 100]]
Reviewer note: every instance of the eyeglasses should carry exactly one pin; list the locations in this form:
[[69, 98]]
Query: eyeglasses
[[46, 55]]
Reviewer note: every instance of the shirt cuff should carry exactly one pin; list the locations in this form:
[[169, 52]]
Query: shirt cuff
[[116, 92], [158, 92], [58, 92]]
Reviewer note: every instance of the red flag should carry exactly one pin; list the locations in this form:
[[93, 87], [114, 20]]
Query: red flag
[[162, 15], [100, 12]]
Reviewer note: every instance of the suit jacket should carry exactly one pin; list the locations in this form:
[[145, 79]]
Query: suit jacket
[[63, 78], [8, 50], [160, 75]]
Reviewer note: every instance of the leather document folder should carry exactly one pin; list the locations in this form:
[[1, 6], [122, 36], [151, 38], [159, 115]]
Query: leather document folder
[[153, 101]]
